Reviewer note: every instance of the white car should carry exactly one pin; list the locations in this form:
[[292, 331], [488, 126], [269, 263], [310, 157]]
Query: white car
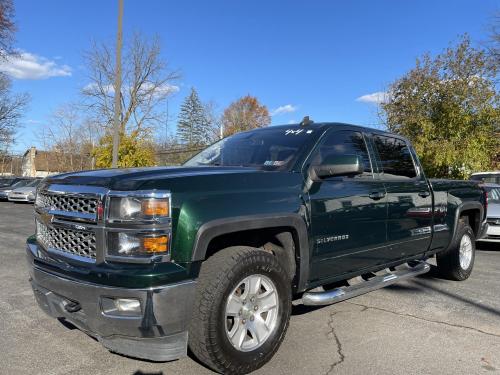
[[24, 194], [493, 213], [487, 177]]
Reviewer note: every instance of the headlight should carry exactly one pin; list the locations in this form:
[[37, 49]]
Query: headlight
[[123, 244], [138, 208]]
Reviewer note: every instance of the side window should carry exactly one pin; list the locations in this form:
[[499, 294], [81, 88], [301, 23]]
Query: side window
[[343, 142], [395, 157]]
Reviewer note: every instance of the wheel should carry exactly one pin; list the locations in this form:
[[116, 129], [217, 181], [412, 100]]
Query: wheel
[[242, 309], [457, 262]]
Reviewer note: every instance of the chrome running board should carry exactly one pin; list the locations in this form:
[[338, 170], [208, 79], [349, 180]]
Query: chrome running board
[[374, 283]]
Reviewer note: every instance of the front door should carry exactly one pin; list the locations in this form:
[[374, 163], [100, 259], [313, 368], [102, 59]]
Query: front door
[[409, 199], [348, 214]]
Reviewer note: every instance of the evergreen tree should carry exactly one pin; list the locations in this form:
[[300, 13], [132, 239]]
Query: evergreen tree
[[193, 126]]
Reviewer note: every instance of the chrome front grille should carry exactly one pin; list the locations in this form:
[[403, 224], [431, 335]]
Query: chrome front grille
[[67, 203], [75, 242]]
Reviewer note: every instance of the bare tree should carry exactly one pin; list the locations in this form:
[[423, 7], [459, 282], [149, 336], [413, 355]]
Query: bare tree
[[11, 109], [495, 41], [11, 106], [7, 27], [63, 131], [214, 119], [147, 84], [70, 137]]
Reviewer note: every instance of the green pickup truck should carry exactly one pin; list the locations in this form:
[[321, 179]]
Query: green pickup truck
[[210, 255]]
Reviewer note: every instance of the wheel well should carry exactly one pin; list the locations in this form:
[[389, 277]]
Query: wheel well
[[471, 217], [280, 241]]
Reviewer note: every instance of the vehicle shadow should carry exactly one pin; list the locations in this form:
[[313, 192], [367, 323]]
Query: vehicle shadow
[[488, 246], [429, 281]]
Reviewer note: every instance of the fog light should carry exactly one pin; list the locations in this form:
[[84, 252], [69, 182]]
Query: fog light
[[128, 305]]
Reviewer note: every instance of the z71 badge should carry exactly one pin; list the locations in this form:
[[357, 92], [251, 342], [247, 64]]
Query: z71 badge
[[340, 237]]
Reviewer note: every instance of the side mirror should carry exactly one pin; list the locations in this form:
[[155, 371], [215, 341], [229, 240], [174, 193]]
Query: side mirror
[[337, 165]]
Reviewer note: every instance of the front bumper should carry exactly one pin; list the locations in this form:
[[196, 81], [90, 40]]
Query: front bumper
[[491, 233], [158, 334], [19, 198]]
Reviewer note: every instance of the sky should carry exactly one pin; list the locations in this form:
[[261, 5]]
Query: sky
[[330, 60]]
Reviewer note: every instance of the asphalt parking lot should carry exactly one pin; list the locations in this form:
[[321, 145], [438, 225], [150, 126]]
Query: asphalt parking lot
[[422, 326]]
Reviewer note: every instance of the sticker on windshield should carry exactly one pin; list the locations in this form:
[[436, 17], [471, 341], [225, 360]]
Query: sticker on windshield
[[276, 163], [293, 132], [296, 132]]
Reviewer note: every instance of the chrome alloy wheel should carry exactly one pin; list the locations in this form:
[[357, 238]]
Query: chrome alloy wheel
[[251, 312], [465, 252]]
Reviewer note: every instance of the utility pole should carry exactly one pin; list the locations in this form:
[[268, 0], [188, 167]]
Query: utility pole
[[118, 85]]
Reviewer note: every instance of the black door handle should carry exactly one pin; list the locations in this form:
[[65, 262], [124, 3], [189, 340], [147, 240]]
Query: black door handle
[[377, 195], [424, 194]]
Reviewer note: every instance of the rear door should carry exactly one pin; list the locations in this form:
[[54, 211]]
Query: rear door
[[348, 214], [409, 199]]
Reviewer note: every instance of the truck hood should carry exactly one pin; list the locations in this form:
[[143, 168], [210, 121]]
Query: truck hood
[[135, 178]]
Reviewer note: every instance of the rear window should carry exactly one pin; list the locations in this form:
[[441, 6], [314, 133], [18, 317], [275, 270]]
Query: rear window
[[493, 178]]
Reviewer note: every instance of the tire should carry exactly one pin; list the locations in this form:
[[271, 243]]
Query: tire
[[221, 290], [457, 262]]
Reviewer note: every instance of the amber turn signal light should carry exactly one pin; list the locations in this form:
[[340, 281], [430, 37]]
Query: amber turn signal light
[[155, 207], [155, 244]]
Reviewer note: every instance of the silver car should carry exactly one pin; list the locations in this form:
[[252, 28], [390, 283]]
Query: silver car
[[5, 190], [493, 212], [24, 194]]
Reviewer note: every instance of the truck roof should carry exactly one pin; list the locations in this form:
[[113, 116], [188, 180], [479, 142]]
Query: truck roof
[[491, 172], [324, 125]]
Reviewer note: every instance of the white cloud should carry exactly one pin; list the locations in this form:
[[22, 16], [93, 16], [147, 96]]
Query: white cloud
[[378, 97], [288, 108], [93, 87], [160, 91], [25, 65]]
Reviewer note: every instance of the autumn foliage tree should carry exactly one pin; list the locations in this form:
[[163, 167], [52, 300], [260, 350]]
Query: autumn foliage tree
[[448, 106], [245, 114]]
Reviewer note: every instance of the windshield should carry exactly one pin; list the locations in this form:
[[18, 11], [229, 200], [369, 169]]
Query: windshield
[[6, 181], [493, 194], [33, 183], [20, 183], [274, 149]]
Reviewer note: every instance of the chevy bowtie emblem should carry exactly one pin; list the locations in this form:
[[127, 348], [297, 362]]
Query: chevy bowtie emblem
[[46, 218]]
